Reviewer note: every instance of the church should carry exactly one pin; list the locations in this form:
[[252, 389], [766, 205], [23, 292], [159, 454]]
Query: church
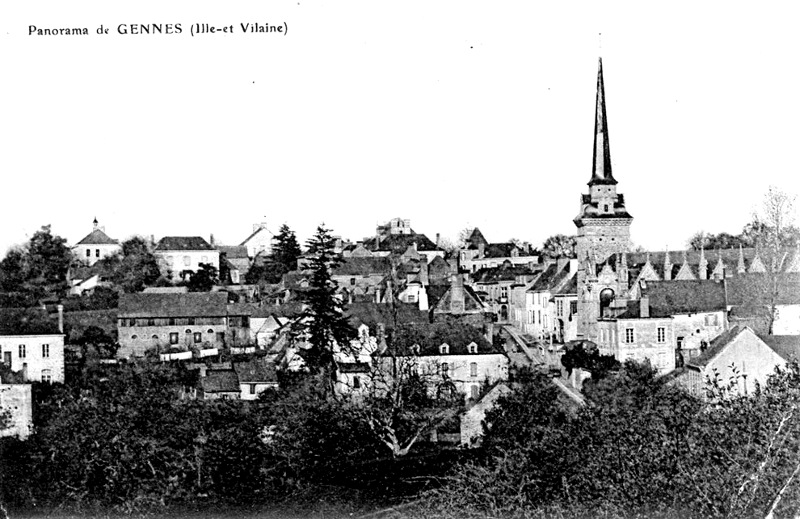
[[663, 306]]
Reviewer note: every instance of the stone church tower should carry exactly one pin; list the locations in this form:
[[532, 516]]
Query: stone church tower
[[603, 223], [603, 235]]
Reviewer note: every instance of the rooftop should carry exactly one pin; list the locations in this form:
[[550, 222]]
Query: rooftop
[[168, 243]]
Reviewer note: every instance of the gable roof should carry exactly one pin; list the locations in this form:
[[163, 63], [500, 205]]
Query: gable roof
[[717, 345], [361, 266], [183, 243], [97, 237], [684, 297], [399, 243], [253, 234], [191, 304], [787, 346], [476, 238]]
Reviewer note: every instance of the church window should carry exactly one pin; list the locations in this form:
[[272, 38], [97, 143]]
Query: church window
[[628, 335]]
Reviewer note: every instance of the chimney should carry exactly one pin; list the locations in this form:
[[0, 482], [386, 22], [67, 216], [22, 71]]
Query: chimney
[[60, 318], [438, 237], [211, 240], [644, 307]]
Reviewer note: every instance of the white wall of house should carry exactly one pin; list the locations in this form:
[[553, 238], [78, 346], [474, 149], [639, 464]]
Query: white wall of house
[[472, 419], [650, 339], [252, 390], [18, 399], [91, 254], [754, 360], [81, 286], [787, 320], [179, 260], [466, 372], [693, 329], [41, 357]]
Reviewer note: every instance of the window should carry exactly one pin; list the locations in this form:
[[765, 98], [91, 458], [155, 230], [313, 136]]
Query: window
[[210, 331], [134, 337], [151, 322], [123, 322], [45, 351], [252, 389], [198, 337], [662, 334], [352, 281], [629, 335], [356, 382], [22, 351], [187, 260], [173, 338], [154, 337], [559, 307], [445, 369], [88, 253], [472, 348], [133, 322], [473, 369], [7, 358], [171, 321], [573, 307], [711, 320], [605, 208], [475, 391], [411, 298], [444, 349], [190, 321], [680, 342], [47, 376], [97, 253]]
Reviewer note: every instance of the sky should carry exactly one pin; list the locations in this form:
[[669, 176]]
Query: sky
[[453, 114]]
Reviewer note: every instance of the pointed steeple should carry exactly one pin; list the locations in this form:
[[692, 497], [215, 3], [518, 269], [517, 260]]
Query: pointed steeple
[[702, 268], [601, 163], [667, 266]]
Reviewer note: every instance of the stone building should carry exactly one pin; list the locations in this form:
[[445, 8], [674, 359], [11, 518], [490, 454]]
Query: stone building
[[181, 256]]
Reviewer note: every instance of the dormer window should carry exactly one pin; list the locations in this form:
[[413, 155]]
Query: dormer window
[[472, 348], [444, 349], [415, 349]]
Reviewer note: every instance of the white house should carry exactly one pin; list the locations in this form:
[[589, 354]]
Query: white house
[[737, 357], [181, 256], [259, 242], [40, 358], [95, 246]]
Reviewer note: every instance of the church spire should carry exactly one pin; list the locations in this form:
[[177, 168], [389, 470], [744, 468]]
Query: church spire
[[601, 163]]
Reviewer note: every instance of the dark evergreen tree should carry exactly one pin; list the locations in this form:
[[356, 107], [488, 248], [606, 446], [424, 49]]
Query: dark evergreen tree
[[323, 323], [286, 250], [204, 279]]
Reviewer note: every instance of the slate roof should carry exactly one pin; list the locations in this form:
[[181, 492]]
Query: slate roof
[[552, 276], [233, 251], [787, 346], [475, 238], [255, 371], [220, 382], [192, 304], [499, 250], [569, 288], [399, 243], [361, 266], [684, 297], [501, 273], [97, 237], [373, 313], [753, 289], [168, 243]]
